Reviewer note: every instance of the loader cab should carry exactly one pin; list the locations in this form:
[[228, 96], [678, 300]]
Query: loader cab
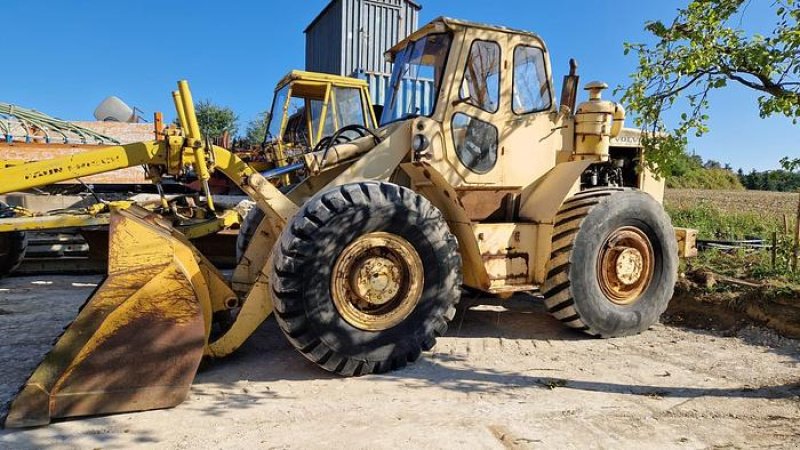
[[485, 96], [491, 132], [308, 107]]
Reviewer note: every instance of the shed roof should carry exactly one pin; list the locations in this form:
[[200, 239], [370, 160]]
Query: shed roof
[[330, 5]]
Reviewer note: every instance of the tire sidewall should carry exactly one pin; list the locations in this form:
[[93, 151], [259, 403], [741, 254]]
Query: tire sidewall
[[424, 229], [639, 210], [247, 229]]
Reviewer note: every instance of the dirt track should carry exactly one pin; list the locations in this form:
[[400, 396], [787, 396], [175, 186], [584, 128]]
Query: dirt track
[[503, 378]]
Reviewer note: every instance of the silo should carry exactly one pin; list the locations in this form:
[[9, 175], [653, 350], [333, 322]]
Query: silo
[[350, 37]]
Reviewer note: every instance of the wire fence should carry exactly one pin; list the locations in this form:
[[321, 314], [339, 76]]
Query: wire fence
[[18, 124]]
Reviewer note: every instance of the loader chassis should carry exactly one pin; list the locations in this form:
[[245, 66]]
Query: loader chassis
[[490, 155], [487, 183]]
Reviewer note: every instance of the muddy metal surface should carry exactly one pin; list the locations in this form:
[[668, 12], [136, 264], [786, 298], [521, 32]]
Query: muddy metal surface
[[504, 377]]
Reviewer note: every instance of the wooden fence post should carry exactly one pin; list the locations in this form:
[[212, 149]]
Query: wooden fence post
[[796, 249], [774, 250]]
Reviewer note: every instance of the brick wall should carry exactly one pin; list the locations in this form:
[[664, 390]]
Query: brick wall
[[126, 133]]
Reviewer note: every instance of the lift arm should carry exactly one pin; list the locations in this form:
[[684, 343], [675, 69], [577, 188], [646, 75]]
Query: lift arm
[[157, 304]]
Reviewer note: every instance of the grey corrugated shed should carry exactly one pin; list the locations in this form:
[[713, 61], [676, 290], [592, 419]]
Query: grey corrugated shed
[[324, 41], [349, 37]]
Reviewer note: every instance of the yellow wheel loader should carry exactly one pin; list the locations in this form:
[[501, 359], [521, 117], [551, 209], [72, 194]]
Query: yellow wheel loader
[[477, 179], [307, 109]]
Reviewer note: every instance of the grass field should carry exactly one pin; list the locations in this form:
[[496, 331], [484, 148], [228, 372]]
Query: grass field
[[732, 215], [770, 204], [753, 283]]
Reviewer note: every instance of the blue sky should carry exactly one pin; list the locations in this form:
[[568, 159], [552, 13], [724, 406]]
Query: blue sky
[[64, 57]]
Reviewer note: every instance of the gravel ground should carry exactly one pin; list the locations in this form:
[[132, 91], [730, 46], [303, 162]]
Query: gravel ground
[[504, 377]]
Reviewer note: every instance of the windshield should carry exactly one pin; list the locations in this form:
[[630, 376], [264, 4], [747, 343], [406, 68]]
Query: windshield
[[276, 115], [416, 79]]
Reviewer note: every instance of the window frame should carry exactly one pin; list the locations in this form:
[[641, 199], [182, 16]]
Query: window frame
[[438, 88], [456, 147], [344, 91], [514, 80], [468, 100]]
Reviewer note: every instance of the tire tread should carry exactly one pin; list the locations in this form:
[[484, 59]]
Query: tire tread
[[559, 299], [288, 275]]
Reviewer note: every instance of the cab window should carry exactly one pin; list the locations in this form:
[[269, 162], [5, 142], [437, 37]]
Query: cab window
[[481, 85], [531, 90], [476, 143], [349, 107], [316, 112]]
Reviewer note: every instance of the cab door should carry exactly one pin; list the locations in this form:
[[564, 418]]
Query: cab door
[[474, 119], [531, 135]]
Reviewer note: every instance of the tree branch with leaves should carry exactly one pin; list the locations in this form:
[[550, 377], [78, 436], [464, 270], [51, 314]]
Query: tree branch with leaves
[[702, 49], [215, 120]]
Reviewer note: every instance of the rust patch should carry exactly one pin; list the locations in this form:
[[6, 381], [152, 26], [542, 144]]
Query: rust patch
[[512, 266], [496, 205]]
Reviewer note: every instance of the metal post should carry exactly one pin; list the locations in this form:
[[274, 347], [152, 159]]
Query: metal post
[[176, 97], [158, 125]]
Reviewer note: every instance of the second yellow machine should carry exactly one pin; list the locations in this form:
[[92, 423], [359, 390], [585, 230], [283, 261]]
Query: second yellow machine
[[480, 179]]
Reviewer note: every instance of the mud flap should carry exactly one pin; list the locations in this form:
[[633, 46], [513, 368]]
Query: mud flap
[[136, 343]]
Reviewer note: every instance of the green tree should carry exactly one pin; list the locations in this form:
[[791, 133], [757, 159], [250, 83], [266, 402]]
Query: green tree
[[214, 120], [256, 129], [691, 172], [705, 48]]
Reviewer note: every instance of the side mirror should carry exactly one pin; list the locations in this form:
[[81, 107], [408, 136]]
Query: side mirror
[[569, 91]]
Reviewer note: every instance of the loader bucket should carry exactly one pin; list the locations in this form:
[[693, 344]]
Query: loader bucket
[[136, 343]]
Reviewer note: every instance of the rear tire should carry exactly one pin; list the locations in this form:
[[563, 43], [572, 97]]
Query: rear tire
[[12, 246], [614, 262], [251, 216], [252, 219], [362, 332]]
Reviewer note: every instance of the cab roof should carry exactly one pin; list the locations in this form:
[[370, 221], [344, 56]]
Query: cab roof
[[441, 24], [319, 79]]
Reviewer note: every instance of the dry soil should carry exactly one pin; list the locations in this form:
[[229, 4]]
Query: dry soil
[[504, 377]]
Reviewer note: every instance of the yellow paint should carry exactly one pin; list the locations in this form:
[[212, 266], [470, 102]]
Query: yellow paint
[[51, 222], [107, 159]]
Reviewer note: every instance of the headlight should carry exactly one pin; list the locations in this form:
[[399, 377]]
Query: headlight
[[419, 143]]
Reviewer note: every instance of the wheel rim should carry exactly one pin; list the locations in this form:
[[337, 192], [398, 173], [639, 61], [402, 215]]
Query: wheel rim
[[377, 281], [625, 266]]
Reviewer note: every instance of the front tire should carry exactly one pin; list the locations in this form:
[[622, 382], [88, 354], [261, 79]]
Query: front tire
[[365, 277], [614, 262]]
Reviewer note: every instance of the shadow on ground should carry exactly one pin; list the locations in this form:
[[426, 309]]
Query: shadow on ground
[[267, 357]]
